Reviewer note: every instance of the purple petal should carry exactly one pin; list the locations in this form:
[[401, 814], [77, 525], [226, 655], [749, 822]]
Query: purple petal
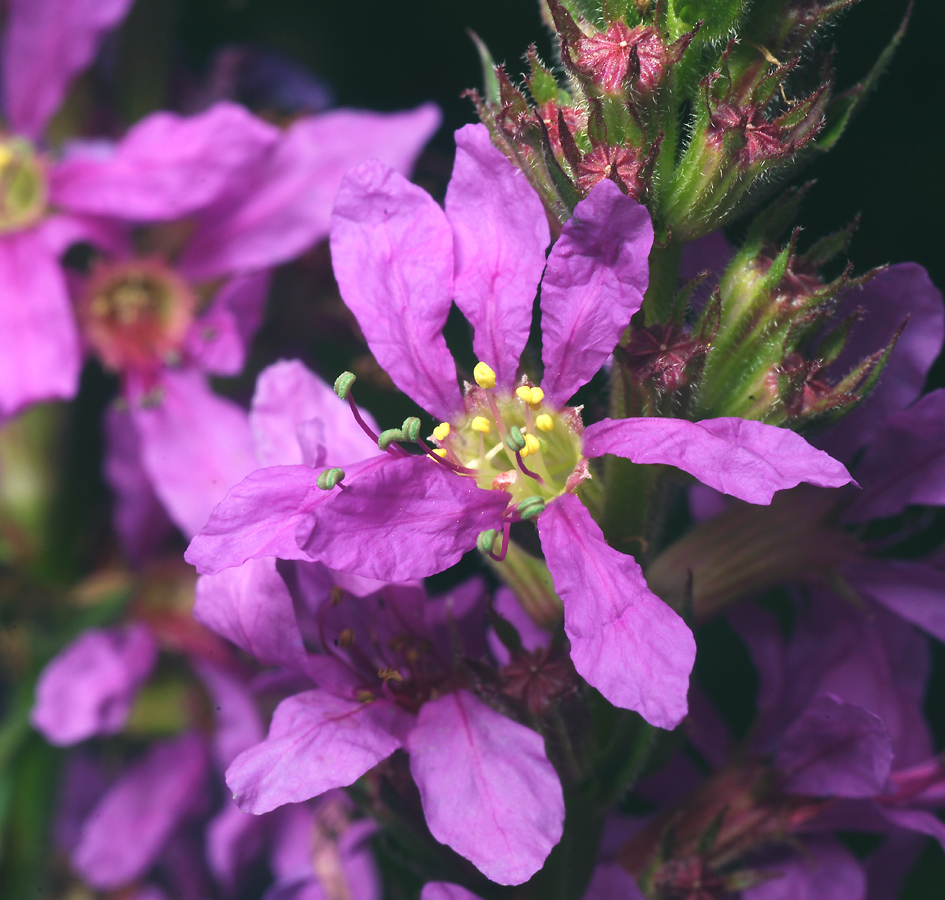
[[195, 446], [417, 518], [250, 605], [835, 749], [87, 689], [289, 395], [234, 839], [46, 43], [392, 251], [316, 742], [219, 341], [127, 829], [284, 207], [912, 590], [457, 617], [442, 890], [821, 871], [487, 788], [917, 820], [237, 722], [259, 517], [140, 519], [905, 463], [624, 640], [595, 279], [500, 232], [39, 343], [82, 781], [166, 166], [612, 882], [739, 457], [901, 291]]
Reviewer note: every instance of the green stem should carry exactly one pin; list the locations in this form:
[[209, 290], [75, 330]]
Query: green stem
[[664, 282]]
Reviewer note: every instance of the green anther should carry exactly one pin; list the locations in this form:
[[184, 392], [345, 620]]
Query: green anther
[[514, 439], [343, 384], [531, 507], [486, 539], [411, 429], [388, 437], [330, 478]]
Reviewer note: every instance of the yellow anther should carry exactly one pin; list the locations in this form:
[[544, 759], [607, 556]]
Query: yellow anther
[[531, 445], [544, 422], [440, 452], [481, 424], [442, 431], [365, 697], [535, 396], [6, 156], [390, 674], [522, 392], [484, 376]]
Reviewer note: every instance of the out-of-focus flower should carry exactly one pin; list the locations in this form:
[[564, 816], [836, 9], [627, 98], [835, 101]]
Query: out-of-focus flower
[[45, 44], [221, 198], [399, 262]]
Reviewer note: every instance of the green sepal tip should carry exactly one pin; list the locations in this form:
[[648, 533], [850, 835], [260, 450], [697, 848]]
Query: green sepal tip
[[343, 384], [389, 436], [330, 478], [486, 540], [531, 507], [411, 429]]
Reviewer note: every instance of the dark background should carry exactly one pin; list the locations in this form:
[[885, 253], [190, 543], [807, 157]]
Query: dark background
[[389, 55]]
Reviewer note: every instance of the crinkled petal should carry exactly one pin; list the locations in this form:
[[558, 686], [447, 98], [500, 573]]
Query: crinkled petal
[[195, 446], [613, 882], [594, 282], [739, 457], [167, 166], [140, 519], [316, 742], [284, 206], [39, 342], [416, 517], [250, 605], [825, 870], [625, 641], [500, 233], [392, 252], [904, 463], [835, 749], [899, 292], [220, 339], [87, 689], [46, 43], [289, 395], [487, 788], [259, 517], [911, 590], [443, 890], [127, 829]]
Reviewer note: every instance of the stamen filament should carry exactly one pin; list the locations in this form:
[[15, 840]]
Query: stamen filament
[[506, 530]]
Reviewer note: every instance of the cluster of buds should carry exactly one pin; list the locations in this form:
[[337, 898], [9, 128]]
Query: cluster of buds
[[687, 107], [775, 332]]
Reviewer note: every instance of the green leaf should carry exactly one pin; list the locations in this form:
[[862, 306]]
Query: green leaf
[[489, 79]]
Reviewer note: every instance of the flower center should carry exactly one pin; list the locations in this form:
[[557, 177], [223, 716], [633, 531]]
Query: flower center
[[22, 185], [136, 313], [513, 442]]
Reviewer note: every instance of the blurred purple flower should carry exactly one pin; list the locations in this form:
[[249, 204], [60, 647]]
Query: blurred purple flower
[[229, 197], [45, 44]]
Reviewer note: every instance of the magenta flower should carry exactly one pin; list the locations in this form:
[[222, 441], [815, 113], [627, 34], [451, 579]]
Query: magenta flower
[[46, 43], [400, 262], [387, 681]]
